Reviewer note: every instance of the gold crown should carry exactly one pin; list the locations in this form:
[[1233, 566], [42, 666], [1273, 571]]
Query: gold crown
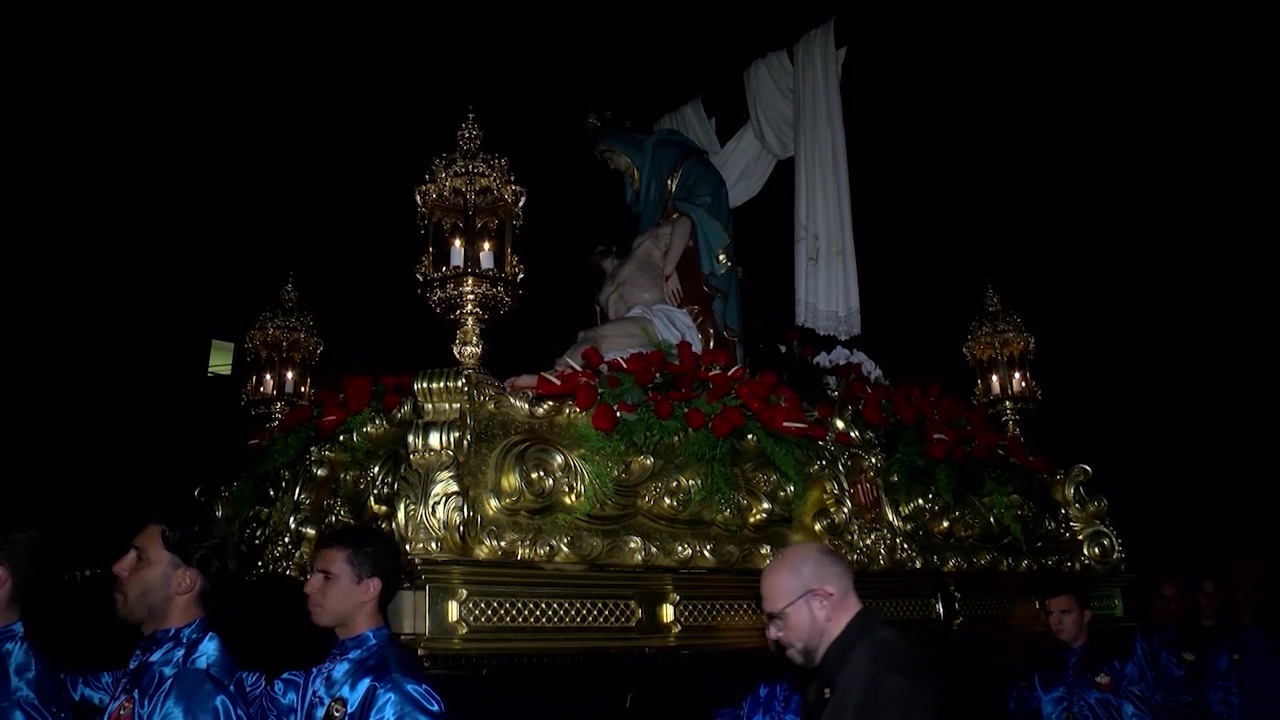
[[469, 181]]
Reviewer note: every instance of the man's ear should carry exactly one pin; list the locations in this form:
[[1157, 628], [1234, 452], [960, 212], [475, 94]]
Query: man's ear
[[5, 576], [371, 589], [1088, 615], [186, 581]]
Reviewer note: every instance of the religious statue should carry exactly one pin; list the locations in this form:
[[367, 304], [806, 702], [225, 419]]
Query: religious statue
[[680, 273], [641, 299]]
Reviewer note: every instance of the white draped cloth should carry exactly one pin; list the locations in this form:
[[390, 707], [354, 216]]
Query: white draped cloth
[[796, 110]]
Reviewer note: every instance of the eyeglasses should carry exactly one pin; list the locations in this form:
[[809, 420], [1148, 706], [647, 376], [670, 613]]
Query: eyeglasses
[[773, 619]]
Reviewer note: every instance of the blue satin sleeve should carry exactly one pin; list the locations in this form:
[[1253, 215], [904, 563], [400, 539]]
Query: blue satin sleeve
[[1219, 693], [1024, 702], [94, 689], [194, 694], [404, 700], [250, 689], [1157, 678], [282, 698], [28, 690], [772, 700]]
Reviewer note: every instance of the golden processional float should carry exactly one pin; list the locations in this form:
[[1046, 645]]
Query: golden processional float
[[603, 512]]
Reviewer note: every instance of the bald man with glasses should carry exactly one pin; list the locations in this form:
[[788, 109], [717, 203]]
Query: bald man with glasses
[[862, 667]]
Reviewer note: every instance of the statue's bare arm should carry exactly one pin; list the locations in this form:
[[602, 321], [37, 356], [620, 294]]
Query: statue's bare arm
[[673, 241]]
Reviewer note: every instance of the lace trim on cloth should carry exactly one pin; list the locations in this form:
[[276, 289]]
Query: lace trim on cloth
[[843, 324]]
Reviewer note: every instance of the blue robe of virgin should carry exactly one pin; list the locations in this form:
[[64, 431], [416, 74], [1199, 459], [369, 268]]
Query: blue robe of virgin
[[699, 193], [368, 676], [28, 689], [181, 673]]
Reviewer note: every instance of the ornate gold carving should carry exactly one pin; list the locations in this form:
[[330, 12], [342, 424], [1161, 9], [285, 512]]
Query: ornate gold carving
[[465, 470]]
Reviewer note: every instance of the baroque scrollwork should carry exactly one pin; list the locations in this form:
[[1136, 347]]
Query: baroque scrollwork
[[464, 469]]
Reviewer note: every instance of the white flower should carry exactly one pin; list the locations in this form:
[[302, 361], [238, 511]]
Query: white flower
[[1102, 679], [1188, 656], [840, 355]]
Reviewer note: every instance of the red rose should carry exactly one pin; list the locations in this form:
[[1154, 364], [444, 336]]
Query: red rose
[[390, 400], [643, 374], [844, 438], [626, 408], [585, 396], [657, 361], [825, 411], [936, 450], [592, 358], [611, 382], [721, 426], [328, 422], [818, 432], [720, 386], [358, 393], [554, 387], [695, 418], [297, 415], [605, 418], [873, 411], [662, 408]]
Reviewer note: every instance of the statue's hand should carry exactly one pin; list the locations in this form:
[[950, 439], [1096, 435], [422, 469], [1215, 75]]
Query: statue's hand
[[674, 292]]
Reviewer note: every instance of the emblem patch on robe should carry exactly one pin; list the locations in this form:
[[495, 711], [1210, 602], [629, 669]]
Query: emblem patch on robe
[[336, 710], [124, 710]]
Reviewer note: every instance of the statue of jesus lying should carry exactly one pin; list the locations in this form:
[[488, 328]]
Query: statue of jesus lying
[[641, 298]]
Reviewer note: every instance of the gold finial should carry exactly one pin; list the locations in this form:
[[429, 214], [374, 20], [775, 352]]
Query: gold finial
[[469, 136]]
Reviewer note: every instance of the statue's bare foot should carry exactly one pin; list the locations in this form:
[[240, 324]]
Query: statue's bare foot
[[521, 382]]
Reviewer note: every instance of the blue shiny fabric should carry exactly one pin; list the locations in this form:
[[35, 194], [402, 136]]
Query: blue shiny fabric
[[772, 700], [369, 674], [28, 689], [1091, 686], [1201, 680], [700, 194], [181, 673]]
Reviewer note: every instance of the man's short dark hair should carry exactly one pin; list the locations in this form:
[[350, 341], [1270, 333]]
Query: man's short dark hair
[[197, 542], [371, 552], [1075, 589], [15, 554]]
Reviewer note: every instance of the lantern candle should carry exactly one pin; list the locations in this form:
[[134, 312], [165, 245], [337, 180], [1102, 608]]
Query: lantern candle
[[267, 384], [1017, 383], [288, 383], [455, 253], [995, 385], [486, 258]]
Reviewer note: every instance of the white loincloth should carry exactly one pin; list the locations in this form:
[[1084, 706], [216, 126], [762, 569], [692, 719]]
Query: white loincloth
[[671, 323]]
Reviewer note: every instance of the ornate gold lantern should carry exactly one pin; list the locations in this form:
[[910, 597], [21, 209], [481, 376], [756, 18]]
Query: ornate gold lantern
[[1000, 349], [282, 348], [469, 208]]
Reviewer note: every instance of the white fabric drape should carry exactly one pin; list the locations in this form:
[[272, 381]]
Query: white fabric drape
[[796, 110]]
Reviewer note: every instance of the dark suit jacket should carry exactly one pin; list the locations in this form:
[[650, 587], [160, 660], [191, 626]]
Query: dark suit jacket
[[870, 673]]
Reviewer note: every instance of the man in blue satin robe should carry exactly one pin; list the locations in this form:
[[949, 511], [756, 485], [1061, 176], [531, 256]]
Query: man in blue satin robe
[[28, 689], [367, 676], [1086, 678], [180, 669]]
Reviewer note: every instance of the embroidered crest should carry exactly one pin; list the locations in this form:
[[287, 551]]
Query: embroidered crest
[[1103, 681], [337, 709], [124, 710], [1189, 656]]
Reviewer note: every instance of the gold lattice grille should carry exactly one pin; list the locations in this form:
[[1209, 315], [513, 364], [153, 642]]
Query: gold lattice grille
[[694, 613], [549, 612], [985, 606], [907, 608]]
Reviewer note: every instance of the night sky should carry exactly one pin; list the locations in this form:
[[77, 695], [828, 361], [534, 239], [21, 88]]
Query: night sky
[[1108, 183]]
